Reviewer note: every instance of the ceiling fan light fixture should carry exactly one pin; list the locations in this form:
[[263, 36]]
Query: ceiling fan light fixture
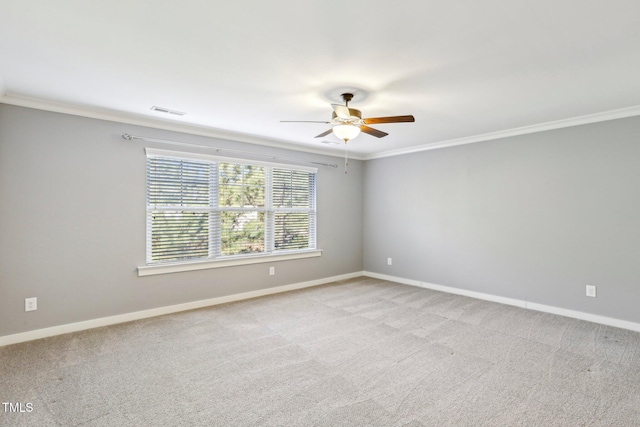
[[348, 122], [346, 132]]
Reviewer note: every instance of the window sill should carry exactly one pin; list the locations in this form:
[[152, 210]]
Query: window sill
[[149, 270]]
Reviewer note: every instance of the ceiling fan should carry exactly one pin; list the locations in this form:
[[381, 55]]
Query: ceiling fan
[[348, 122]]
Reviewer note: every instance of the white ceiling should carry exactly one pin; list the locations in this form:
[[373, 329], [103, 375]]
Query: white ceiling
[[462, 68]]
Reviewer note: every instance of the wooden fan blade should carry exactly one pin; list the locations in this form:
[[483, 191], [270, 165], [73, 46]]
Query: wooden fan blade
[[373, 132], [325, 133], [390, 119], [341, 111]]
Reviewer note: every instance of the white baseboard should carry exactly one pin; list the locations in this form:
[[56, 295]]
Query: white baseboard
[[595, 318], [137, 315], [128, 317]]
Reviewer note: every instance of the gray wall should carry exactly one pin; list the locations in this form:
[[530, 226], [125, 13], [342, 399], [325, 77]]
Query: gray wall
[[72, 223], [534, 217]]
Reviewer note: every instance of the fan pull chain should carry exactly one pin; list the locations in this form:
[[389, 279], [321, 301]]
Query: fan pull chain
[[346, 157]]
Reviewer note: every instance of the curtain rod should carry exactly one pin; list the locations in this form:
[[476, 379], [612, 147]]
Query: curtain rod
[[166, 141]]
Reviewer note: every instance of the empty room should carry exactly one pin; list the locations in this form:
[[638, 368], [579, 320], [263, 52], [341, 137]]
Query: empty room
[[284, 213]]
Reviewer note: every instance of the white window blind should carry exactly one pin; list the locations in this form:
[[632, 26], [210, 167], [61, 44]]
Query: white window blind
[[206, 208], [293, 206]]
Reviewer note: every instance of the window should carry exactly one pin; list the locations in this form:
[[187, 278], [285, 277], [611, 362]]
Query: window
[[205, 208]]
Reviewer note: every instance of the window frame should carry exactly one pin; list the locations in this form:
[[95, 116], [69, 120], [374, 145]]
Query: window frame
[[216, 259]]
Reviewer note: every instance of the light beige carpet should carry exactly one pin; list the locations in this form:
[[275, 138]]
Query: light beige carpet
[[363, 352]]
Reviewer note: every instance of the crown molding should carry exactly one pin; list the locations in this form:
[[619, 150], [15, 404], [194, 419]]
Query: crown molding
[[134, 119], [138, 120], [557, 124]]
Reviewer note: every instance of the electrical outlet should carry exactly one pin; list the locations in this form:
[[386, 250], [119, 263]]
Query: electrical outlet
[[30, 304], [591, 291], [272, 271], [389, 261]]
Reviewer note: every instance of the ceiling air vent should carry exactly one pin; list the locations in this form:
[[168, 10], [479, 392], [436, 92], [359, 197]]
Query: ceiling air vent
[[167, 111]]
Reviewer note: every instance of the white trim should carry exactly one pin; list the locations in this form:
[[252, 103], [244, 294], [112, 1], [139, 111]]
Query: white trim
[[158, 152], [557, 124], [447, 289], [595, 318], [137, 315], [149, 270], [392, 278], [476, 295], [3, 88], [160, 123]]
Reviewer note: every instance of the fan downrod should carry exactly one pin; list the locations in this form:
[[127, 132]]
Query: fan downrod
[[346, 97]]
